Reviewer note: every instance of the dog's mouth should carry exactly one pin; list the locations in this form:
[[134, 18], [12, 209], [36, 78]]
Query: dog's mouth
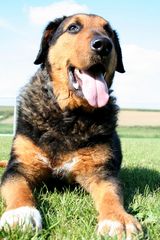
[[91, 84]]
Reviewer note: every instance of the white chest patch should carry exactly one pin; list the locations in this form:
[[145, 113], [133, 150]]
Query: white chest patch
[[66, 169], [70, 165]]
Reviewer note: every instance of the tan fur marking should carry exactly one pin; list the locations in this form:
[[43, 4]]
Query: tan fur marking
[[16, 193], [88, 159], [107, 198], [91, 159], [83, 162], [32, 158]]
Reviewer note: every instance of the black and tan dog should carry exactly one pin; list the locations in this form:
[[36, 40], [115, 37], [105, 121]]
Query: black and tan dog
[[66, 125]]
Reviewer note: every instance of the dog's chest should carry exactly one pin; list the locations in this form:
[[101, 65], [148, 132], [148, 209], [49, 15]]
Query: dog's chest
[[63, 167], [66, 169], [83, 161]]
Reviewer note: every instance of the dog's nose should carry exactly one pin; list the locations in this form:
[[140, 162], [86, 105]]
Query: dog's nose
[[101, 45]]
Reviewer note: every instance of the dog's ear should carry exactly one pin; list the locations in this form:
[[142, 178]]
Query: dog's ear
[[120, 67], [47, 35]]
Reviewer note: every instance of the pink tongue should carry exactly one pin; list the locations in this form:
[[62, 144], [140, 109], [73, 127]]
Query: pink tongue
[[94, 88]]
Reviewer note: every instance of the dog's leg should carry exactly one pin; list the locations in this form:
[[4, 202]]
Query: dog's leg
[[27, 167], [113, 219], [20, 204], [92, 173]]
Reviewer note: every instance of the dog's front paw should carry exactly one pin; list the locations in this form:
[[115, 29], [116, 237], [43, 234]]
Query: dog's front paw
[[125, 225], [22, 216]]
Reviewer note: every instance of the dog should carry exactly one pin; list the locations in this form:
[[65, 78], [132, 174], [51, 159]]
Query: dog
[[66, 125]]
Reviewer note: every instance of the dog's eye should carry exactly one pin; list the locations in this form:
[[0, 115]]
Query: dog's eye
[[74, 28]]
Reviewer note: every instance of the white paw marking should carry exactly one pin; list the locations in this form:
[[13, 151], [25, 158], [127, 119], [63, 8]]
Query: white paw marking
[[131, 228], [129, 238], [109, 227], [22, 216]]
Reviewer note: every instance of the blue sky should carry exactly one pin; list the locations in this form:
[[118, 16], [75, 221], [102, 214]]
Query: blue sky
[[138, 25]]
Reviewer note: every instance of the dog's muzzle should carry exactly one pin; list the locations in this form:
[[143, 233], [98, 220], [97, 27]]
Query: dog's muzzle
[[91, 84]]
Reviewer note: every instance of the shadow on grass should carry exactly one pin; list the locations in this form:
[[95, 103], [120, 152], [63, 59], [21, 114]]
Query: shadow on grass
[[132, 180], [141, 181], [138, 179]]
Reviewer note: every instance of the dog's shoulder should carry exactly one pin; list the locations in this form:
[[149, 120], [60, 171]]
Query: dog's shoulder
[[36, 100]]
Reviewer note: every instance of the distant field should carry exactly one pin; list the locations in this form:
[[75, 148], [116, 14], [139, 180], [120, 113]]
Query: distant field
[[139, 118], [6, 112], [70, 215]]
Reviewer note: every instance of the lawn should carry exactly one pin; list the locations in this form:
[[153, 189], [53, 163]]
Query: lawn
[[6, 120], [70, 215]]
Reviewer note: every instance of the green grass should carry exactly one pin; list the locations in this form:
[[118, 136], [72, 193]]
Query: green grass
[[139, 132], [6, 120], [6, 112], [70, 215], [6, 128]]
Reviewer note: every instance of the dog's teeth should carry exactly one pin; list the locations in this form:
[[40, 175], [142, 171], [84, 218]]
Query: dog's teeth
[[76, 85], [76, 71]]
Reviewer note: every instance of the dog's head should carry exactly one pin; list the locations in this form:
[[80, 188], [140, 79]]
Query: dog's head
[[81, 54]]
